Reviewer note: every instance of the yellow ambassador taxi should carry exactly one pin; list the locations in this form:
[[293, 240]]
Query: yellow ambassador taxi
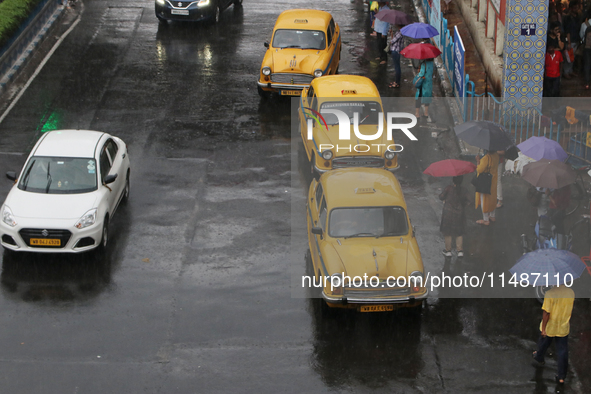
[[359, 231], [355, 96], [305, 44]]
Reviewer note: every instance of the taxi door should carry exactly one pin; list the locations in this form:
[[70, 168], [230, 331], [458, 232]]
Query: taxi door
[[317, 214]]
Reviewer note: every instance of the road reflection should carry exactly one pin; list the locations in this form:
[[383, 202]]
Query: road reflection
[[35, 277], [372, 349]]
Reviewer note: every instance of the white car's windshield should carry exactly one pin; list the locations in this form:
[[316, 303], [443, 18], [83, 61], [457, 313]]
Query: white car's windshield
[[369, 111], [59, 175], [367, 222], [303, 39]]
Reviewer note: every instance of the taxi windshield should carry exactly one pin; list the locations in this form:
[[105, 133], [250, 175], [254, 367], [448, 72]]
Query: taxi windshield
[[303, 39], [59, 175], [369, 111], [367, 222]]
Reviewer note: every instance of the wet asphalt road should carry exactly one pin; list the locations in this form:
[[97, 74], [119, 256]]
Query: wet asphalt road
[[195, 294]]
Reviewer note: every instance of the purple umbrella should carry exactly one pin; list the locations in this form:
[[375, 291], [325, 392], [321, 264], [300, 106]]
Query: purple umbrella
[[419, 30], [548, 267], [394, 17], [542, 148]]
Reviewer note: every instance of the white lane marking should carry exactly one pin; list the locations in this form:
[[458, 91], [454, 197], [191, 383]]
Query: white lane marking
[[39, 68]]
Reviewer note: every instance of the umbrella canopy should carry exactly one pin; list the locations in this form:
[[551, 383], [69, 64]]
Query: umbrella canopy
[[394, 17], [419, 30], [450, 167], [542, 148], [484, 134], [420, 51], [552, 174], [548, 261]]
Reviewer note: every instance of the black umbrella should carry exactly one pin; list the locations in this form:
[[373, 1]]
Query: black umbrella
[[485, 135]]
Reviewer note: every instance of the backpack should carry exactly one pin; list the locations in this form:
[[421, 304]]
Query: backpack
[[533, 196]]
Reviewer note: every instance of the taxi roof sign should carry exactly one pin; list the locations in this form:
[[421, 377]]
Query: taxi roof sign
[[300, 21], [348, 91], [365, 190]]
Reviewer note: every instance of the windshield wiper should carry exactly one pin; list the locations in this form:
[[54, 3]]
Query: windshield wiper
[[292, 46], [48, 178], [26, 178], [360, 234]]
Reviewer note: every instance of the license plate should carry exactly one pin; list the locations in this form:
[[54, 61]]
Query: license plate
[[376, 308], [291, 92], [45, 242], [179, 12]]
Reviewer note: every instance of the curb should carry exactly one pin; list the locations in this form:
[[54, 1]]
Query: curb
[[16, 57]]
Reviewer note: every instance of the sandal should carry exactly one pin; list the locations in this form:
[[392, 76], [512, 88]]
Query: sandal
[[559, 381], [492, 219], [383, 62], [499, 205], [393, 85], [486, 223]]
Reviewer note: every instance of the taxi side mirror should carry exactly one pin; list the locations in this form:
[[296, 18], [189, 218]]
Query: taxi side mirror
[[266, 44], [11, 175], [317, 230]]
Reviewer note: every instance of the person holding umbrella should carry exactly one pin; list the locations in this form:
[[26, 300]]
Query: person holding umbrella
[[381, 28], [455, 199], [424, 93], [555, 326], [453, 217], [488, 202]]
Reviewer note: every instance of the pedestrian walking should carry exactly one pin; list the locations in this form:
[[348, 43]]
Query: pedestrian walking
[[424, 93], [552, 72], [488, 202], [585, 34], [500, 171], [555, 326], [396, 45], [453, 217], [544, 200], [572, 23], [381, 28]]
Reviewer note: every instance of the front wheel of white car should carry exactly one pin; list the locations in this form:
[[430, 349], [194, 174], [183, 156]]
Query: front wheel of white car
[[105, 235], [126, 190]]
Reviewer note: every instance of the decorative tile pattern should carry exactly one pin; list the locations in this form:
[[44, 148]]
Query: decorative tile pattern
[[524, 52]]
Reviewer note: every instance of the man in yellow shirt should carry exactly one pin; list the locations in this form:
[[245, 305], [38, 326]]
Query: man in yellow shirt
[[557, 309]]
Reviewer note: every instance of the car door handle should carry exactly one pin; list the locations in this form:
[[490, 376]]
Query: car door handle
[[123, 156]]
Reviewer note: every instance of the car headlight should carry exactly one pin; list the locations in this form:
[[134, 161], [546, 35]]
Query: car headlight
[[266, 71], [8, 217], [416, 280], [161, 2], [318, 73], [336, 284], [203, 3], [389, 155], [327, 154], [88, 219]]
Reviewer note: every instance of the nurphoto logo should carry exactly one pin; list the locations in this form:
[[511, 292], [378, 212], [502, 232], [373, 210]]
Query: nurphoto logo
[[345, 123]]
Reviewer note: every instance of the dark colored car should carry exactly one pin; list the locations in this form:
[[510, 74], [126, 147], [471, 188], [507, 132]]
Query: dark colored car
[[192, 10]]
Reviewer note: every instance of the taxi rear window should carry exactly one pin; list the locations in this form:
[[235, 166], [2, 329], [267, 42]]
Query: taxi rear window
[[303, 39]]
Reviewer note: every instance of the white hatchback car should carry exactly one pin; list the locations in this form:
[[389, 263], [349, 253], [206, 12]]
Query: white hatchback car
[[66, 194]]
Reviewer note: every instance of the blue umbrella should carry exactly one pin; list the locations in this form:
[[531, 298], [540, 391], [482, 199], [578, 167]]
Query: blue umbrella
[[419, 30], [561, 266], [542, 148]]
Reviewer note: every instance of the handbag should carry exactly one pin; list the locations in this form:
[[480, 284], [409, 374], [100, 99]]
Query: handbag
[[483, 181]]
